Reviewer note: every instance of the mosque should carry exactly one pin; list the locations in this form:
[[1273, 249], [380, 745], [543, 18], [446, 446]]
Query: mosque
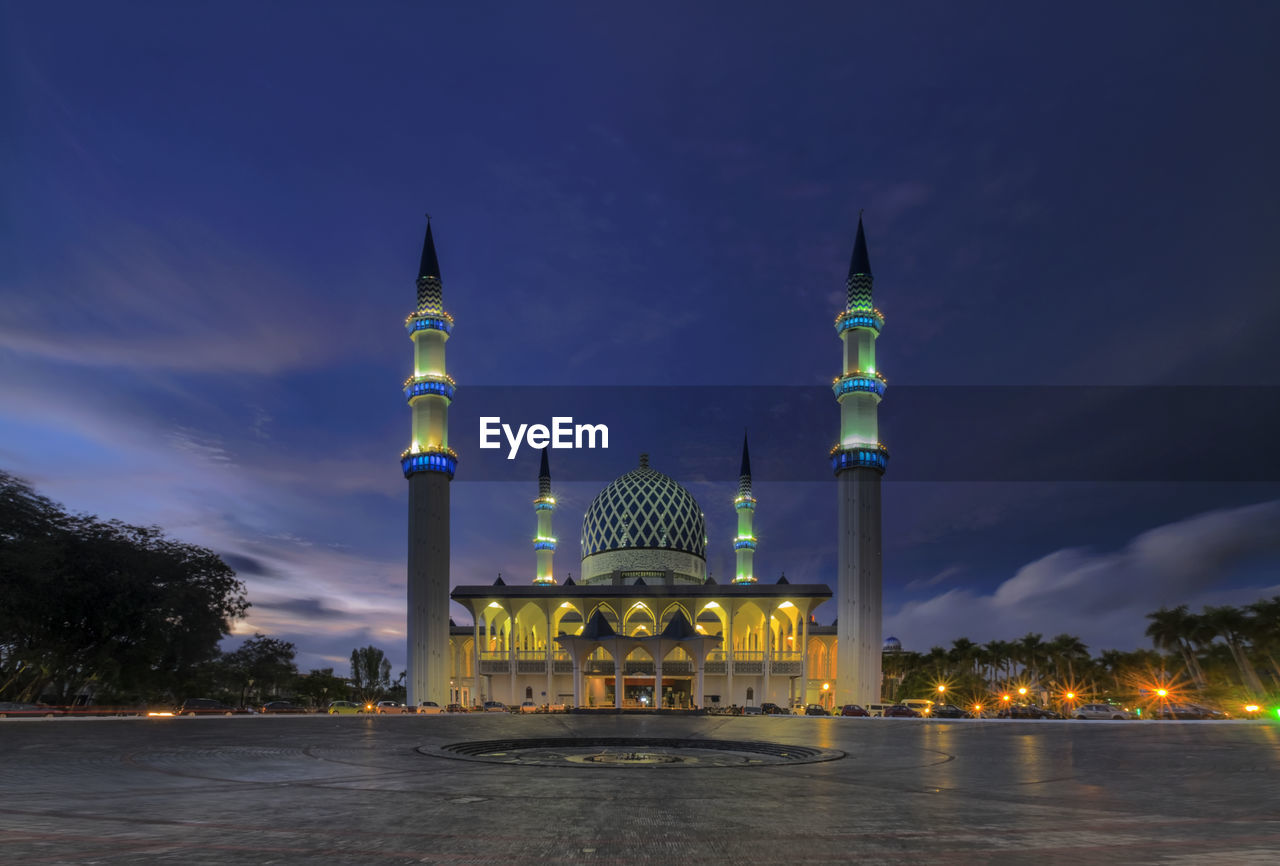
[[645, 625]]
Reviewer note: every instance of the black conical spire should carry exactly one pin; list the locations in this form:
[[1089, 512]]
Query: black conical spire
[[544, 476], [859, 282], [430, 265], [746, 457], [429, 286], [545, 470], [860, 263]]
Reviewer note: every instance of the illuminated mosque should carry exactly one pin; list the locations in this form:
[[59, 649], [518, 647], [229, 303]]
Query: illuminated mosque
[[645, 625]]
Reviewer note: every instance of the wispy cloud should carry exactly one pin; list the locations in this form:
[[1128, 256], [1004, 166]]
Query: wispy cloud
[[1104, 597]]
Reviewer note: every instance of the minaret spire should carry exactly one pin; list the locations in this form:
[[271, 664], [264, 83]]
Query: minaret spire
[[429, 283], [744, 544], [859, 460], [858, 284], [544, 543], [428, 465]]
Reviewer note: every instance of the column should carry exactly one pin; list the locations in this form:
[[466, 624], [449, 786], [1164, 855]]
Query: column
[[700, 681], [657, 675], [618, 678], [728, 657], [475, 692]]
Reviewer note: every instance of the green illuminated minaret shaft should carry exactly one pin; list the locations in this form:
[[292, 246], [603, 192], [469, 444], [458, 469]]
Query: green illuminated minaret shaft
[[744, 545], [428, 464], [544, 543], [859, 461]]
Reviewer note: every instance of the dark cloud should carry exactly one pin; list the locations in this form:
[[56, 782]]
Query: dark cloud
[[249, 565], [307, 608]]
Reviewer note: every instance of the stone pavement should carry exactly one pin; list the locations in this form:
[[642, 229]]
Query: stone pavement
[[354, 789]]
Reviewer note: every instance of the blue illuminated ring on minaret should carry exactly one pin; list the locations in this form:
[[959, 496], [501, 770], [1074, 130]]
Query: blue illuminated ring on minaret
[[429, 321], [429, 461], [859, 457], [423, 386], [858, 382], [860, 318]]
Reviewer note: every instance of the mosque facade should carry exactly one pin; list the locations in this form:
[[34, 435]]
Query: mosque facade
[[645, 625]]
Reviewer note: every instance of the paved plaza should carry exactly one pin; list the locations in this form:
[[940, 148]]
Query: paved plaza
[[351, 789]]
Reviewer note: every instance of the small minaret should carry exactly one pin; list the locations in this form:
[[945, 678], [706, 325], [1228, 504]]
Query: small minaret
[[744, 545], [544, 543], [858, 461], [428, 464]]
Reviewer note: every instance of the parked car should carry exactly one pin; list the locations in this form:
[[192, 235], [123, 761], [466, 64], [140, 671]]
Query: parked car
[[17, 710], [854, 710], [1186, 711], [528, 707], [1027, 711], [495, 707], [770, 709], [281, 707], [816, 710], [429, 708], [923, 706], [455, 708], [1102, 711], [876, 710], [209, 707], [900, 711], [389, 708], [344, 708], [753, 711], [947, 711]]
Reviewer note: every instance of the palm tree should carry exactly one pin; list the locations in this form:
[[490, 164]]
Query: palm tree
[[963, 654], [1066, 649], [1265, 633], [1173, 629], [1232, 624], [1032, 652]]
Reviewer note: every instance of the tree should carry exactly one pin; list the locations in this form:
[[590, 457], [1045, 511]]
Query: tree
[[263, 664], [103, 606], [1232, 624], [370, 673], [321, 686], [1172, 629]]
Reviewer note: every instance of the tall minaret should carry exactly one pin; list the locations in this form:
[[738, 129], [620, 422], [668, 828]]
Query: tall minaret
[[859, 461], [544, 543], [744, 545], [429, 464]]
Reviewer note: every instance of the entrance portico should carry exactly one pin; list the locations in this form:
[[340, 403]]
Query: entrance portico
[[679, 633]]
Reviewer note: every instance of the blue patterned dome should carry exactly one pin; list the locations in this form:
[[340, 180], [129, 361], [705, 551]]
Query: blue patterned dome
[[644, 509]]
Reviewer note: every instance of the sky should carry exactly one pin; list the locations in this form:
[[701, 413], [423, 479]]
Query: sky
[[212, 216]]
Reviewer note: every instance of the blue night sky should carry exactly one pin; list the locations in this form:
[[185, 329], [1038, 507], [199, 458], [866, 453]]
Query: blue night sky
[[212, 217]]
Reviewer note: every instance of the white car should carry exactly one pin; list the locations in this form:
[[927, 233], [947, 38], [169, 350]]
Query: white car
[[429, 708], [1101, 711], [923, 706], [528, 707]]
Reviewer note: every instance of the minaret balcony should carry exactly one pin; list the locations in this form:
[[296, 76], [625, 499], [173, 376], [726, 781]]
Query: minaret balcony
[[429, 320], [864, 456], [433, 384], [544, 503], [544, 581], [545, 542], [744, 542], [429, 459], [872, 319], [858, 381], [745, 501]]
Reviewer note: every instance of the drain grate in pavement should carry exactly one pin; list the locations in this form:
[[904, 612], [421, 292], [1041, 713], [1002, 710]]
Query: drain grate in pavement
[[631, 752]]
